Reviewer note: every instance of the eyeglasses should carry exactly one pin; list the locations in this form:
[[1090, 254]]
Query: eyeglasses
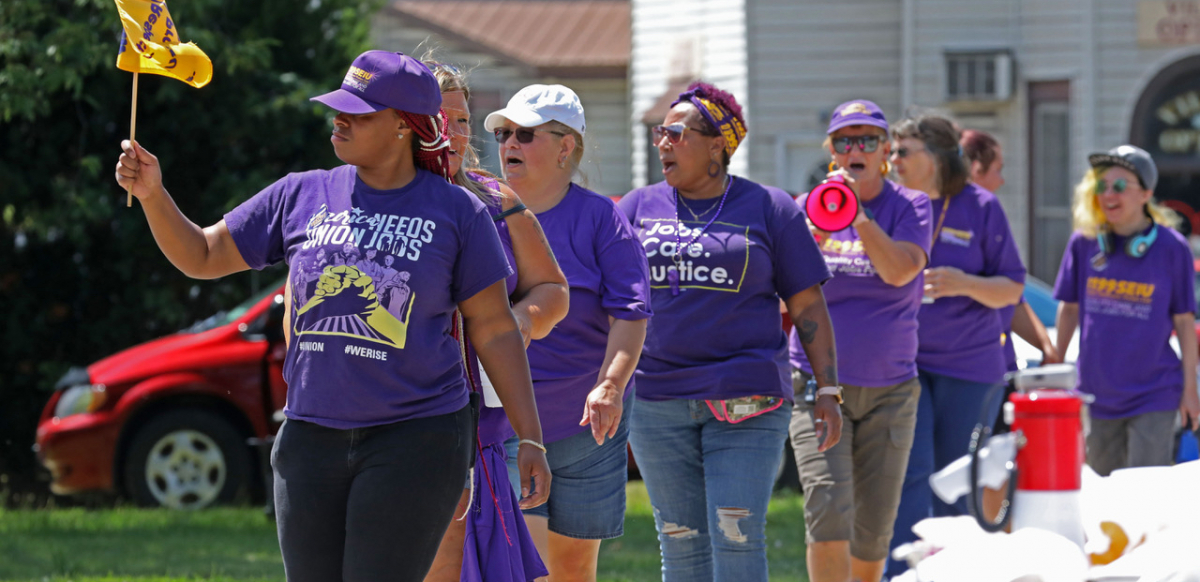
[[524, 134], [865, 143], [674, 132], [903, 152], [1118, 186]]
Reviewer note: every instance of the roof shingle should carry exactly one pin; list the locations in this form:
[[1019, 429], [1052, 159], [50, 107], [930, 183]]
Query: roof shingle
[[570, 38]]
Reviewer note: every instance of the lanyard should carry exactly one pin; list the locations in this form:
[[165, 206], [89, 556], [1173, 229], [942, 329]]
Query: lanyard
[[937, 233]]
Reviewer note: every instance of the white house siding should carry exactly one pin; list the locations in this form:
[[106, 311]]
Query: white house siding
[[718, 27], [607, 154], [805, 59], [941, 26]]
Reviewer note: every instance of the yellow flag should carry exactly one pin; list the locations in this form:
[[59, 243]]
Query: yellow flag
[[150, 44]]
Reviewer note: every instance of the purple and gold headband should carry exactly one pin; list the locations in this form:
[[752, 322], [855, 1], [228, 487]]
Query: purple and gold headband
[[718, 115]]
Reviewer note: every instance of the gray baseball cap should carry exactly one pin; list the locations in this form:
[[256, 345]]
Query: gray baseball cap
[[1132, 158]]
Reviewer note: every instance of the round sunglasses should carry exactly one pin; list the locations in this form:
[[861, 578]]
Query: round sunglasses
[[524, 134], [1118, 186], [866, 143]]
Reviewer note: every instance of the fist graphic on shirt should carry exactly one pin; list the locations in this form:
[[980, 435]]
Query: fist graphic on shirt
[[353, 291]]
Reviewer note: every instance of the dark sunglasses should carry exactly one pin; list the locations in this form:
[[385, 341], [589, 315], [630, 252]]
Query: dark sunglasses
[[903, 152], [524, 134], [865, 143], [1119, 185], [674, 132]]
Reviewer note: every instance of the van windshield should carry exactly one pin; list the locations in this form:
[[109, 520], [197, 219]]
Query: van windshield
[[223, 317]]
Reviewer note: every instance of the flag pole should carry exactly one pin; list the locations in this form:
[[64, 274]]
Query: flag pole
[[132, 127]]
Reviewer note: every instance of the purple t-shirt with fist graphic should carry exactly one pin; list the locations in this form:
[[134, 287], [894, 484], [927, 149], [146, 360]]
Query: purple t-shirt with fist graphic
[[958, 336], [607, 277], [720, 336], [1126, 306], [376, 276], [875, 323]]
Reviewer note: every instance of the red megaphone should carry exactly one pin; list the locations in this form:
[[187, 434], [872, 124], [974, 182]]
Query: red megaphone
[[832, 205]]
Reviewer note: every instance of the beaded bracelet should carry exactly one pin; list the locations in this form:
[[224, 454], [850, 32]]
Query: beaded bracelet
[[532, 443]]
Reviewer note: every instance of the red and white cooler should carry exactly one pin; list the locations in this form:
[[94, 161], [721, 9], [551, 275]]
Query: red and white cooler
[[1050, 454]]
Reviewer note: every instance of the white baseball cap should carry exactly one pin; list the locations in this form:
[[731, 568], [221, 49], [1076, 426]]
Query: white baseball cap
[[537, 104]]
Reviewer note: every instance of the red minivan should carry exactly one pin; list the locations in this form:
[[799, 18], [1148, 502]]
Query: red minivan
[[183, 421]]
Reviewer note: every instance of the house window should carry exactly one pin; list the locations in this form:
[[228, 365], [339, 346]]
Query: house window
[[978, 76]]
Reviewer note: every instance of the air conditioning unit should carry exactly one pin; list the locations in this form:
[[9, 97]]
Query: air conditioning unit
[[979, 75]]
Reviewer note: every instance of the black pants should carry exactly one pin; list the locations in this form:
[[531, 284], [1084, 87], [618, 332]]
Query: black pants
[[368, 504]]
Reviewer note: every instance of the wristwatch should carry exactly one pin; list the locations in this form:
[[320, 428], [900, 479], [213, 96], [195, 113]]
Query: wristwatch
[[834, 391]]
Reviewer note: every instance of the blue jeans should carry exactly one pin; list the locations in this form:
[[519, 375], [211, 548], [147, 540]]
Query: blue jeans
[[709, 482], [947, 412]]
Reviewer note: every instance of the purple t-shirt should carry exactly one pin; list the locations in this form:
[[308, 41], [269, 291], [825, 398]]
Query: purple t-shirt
[[1125, 321], [958, 336], [376, 276], [1010, 353], [607, 276], [493, 422], [494, 209], [875, 323], [721, 336]]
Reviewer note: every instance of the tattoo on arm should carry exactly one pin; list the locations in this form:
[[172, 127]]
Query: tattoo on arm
[[807, 331], [831, 374]]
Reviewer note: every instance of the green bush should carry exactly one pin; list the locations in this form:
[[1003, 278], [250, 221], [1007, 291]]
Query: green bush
[[80, 275]]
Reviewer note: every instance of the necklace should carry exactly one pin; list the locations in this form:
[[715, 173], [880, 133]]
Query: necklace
[[677, 256], [697, 217]]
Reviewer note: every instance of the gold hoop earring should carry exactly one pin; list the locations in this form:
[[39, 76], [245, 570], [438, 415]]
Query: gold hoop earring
[[885, 168], [832, 166]]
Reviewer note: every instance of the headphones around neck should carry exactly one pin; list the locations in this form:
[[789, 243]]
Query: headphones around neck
[[1135, 247]]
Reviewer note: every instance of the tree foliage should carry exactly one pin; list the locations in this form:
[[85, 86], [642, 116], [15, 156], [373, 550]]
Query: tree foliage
[[80, 275]]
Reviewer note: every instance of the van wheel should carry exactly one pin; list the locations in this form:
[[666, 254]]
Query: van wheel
[[186, 459]]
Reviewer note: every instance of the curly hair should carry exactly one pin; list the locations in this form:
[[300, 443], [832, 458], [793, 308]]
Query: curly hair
[[1087, 216], [722, 98]]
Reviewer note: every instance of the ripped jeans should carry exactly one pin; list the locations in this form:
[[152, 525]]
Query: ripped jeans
[[709, 482]]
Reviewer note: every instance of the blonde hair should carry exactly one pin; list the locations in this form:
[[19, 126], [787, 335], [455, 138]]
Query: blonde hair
[[1088, 217], [451, 78]]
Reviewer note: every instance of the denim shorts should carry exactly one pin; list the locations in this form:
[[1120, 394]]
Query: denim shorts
[[587, 494]]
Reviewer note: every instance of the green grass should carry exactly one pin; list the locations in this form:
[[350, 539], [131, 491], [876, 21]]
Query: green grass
[[239, 544]]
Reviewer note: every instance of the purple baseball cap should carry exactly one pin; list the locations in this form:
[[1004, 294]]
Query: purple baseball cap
[[857, 112], [380, 79]]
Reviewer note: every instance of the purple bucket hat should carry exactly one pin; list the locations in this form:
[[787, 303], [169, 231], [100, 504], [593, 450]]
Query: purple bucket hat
[[380, 79], [857, 112]]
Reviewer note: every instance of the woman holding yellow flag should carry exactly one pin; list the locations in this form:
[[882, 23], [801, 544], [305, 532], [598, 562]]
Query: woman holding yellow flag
[[370, 462]]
